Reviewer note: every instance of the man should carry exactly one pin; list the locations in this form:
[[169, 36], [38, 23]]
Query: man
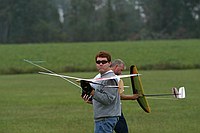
[[118, 66], [106, 100]]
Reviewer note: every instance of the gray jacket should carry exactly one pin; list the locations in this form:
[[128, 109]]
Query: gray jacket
[[106, 100]]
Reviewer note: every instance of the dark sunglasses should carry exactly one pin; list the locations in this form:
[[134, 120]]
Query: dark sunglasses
[[101, 61]]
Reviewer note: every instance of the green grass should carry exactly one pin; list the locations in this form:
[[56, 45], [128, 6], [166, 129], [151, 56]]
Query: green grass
[[33, 103], [66, 57]]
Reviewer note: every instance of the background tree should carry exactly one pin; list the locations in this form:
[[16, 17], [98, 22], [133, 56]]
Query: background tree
[[79, 20], [28, 21], [171, 19], [97, 20]]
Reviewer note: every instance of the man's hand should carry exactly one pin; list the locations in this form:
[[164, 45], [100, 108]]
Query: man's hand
[[135, 96], [87, 99]]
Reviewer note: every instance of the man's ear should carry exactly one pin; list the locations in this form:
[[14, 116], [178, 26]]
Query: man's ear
[[116, 66]]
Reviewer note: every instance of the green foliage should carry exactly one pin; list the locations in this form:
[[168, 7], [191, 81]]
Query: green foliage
[[172, 19], [97, 20], [34, 103], [66, 57], [29, 21]]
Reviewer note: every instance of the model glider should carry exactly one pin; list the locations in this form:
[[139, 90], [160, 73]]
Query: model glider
[[135, 79], [138, 89]]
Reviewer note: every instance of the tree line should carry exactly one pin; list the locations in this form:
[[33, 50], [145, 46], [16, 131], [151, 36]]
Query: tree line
[[35, 21]]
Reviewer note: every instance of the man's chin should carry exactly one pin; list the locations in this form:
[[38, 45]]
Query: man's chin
[[101, 70]]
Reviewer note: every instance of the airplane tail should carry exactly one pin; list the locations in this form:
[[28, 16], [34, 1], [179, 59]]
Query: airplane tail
[[175, 92], [180, 94]]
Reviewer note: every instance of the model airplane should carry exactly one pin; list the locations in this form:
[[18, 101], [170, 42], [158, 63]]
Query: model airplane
[[138, 89], [135, 81]]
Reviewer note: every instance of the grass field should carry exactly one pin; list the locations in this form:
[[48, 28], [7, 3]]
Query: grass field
[[33, 103], [65, 57]]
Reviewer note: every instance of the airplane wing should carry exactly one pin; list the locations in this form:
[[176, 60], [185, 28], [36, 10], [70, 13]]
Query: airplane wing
[[89, 80], [138, 89], [70, 77]]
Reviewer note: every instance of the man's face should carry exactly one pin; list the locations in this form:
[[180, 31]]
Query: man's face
[[118, 69], [102, 65]]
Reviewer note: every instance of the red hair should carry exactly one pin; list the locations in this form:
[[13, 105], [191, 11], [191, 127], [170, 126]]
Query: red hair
[[103, 54]]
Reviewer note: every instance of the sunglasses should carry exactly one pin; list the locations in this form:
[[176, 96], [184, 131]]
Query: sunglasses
[[101, 61]]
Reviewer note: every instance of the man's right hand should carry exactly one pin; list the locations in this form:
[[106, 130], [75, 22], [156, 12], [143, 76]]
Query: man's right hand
[[87, 98]]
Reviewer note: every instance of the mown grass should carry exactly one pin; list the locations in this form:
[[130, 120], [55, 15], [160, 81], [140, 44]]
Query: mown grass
[[33, 103], [67, 57]]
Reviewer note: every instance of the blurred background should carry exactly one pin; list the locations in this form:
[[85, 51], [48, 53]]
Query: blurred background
[[35, 21]]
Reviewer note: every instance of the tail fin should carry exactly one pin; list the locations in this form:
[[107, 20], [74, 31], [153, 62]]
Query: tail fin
[[175, 92], [181, 92]]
